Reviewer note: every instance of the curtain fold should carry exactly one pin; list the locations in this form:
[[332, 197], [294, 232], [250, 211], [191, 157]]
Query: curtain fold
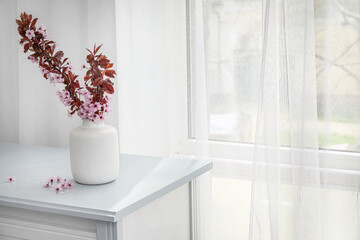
[[288, 96]]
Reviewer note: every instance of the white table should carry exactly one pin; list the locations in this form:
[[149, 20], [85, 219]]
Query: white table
[[141, 180]]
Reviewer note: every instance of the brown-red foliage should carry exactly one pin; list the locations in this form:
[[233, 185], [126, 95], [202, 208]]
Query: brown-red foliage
[[52, 63]]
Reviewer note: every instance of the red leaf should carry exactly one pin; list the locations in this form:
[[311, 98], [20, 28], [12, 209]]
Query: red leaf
[[75, 84], [89, 51], [59, 55], [71, 76], [96, 82], [22, 17], [18, 22], [103, 63], [97, 72], [110, 73], [57, 61], [108, 87], [33, 23], [90, 90], [87, 77], [26, 47], [97, 49]]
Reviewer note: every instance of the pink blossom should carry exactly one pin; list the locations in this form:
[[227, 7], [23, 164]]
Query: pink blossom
[[83, 66], [46, 36], [82, 91], [44, 71], [58, 179], [107, 108], [97, 105], [46, 185], [58, 78], [108, 98], [92, 108], [52, 80], [87, 113], [41, 29], [68, 185], [67, 102], [68, 66], [69, 113], [30, 34], [11, 179], [51, 180], [81, 114], [58, 188], [64, 96], [95, 117], [34, 60], [88, 98]]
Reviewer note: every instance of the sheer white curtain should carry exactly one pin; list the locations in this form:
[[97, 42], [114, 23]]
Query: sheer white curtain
[[287, 96], [30, 110], [293, 192], [151, 53], [280, 74]]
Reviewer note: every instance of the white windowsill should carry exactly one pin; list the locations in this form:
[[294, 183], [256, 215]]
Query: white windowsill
[[235, 160]]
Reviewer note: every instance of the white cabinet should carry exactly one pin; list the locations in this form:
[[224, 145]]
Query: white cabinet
[[149, 199]]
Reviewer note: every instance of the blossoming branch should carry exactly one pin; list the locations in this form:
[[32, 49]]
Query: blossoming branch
[[90, 101]]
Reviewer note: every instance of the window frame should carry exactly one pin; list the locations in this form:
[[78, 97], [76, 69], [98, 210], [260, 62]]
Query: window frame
[[344, 165]]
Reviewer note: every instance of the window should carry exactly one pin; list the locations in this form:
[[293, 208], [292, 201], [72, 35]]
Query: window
[[233, 42]]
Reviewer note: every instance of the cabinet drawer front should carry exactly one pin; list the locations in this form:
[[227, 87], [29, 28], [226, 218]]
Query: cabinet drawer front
[[17, 223]]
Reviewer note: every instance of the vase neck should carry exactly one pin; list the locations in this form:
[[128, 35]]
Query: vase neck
[[90, 124]]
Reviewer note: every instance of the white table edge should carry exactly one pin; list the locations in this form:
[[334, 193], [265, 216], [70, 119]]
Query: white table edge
[[161, 192], [108, 216]]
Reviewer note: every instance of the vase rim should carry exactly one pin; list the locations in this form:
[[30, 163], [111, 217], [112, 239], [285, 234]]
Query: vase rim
[[90, 123]]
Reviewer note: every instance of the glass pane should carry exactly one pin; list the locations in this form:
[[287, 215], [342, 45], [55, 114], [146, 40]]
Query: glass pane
[[337, 30], [233, 40]]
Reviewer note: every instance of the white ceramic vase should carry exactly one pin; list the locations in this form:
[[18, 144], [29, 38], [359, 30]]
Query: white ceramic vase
[[94, 153]]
